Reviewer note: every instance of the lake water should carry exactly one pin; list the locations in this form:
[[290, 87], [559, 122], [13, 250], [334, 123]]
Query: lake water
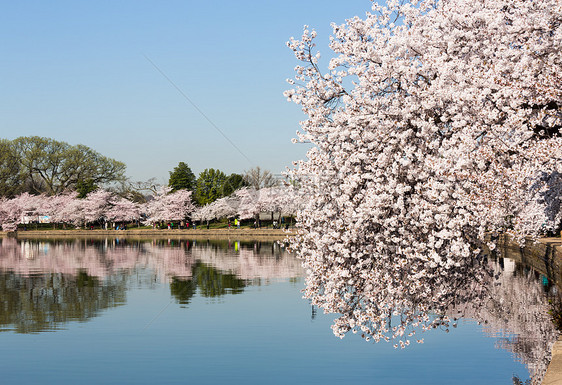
[[117, 311]]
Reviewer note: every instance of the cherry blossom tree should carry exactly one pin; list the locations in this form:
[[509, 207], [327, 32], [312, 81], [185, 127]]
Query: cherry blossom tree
[[123, 210], [221, 208], [292, 201], [167, 205], [225, 207], [68, 208], [29, 205], [280, 200], [435, 123], [269, 200], [25, 207], [101, 206], [9, 214], [63, 208], [96, 205], [250, 204], [204, 213]]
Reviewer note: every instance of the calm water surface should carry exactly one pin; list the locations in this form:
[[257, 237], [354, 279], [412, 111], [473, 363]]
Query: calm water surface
[[213, 312]]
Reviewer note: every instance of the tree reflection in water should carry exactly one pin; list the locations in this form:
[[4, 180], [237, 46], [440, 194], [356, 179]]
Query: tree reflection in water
[[44, 302], [514, 303], [45, 284], [210, 282], [518, 312]]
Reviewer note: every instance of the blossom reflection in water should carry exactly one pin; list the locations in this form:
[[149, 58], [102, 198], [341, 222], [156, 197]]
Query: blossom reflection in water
[[47, 284]]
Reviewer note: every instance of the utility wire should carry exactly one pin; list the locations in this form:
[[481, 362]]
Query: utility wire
[[197, 108]]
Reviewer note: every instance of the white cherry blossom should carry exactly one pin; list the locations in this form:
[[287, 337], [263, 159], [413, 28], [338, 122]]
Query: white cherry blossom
[[436, 124]]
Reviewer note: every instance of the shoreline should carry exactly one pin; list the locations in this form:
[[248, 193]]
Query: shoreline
[[255, 234]]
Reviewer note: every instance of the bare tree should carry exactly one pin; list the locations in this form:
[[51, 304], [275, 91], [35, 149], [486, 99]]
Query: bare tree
[[258, 178], [138, 191]]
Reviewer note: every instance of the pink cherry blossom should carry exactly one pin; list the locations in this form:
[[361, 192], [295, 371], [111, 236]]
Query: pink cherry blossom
[[436, 124]]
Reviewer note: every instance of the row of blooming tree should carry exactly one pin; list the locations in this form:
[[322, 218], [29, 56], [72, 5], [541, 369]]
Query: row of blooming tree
[[103, 207], [249, 203]]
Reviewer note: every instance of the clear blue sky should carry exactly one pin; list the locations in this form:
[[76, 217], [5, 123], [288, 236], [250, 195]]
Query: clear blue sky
[[76, 71]]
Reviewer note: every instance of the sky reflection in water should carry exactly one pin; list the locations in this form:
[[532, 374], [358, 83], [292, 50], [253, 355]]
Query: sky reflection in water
[[210, 312]]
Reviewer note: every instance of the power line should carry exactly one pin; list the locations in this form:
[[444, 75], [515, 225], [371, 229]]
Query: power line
[[197, 108]]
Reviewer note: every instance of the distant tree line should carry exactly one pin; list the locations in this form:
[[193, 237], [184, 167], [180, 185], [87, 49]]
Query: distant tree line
[[214, 184], [45, 178], [44, 166], [40, 165]]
